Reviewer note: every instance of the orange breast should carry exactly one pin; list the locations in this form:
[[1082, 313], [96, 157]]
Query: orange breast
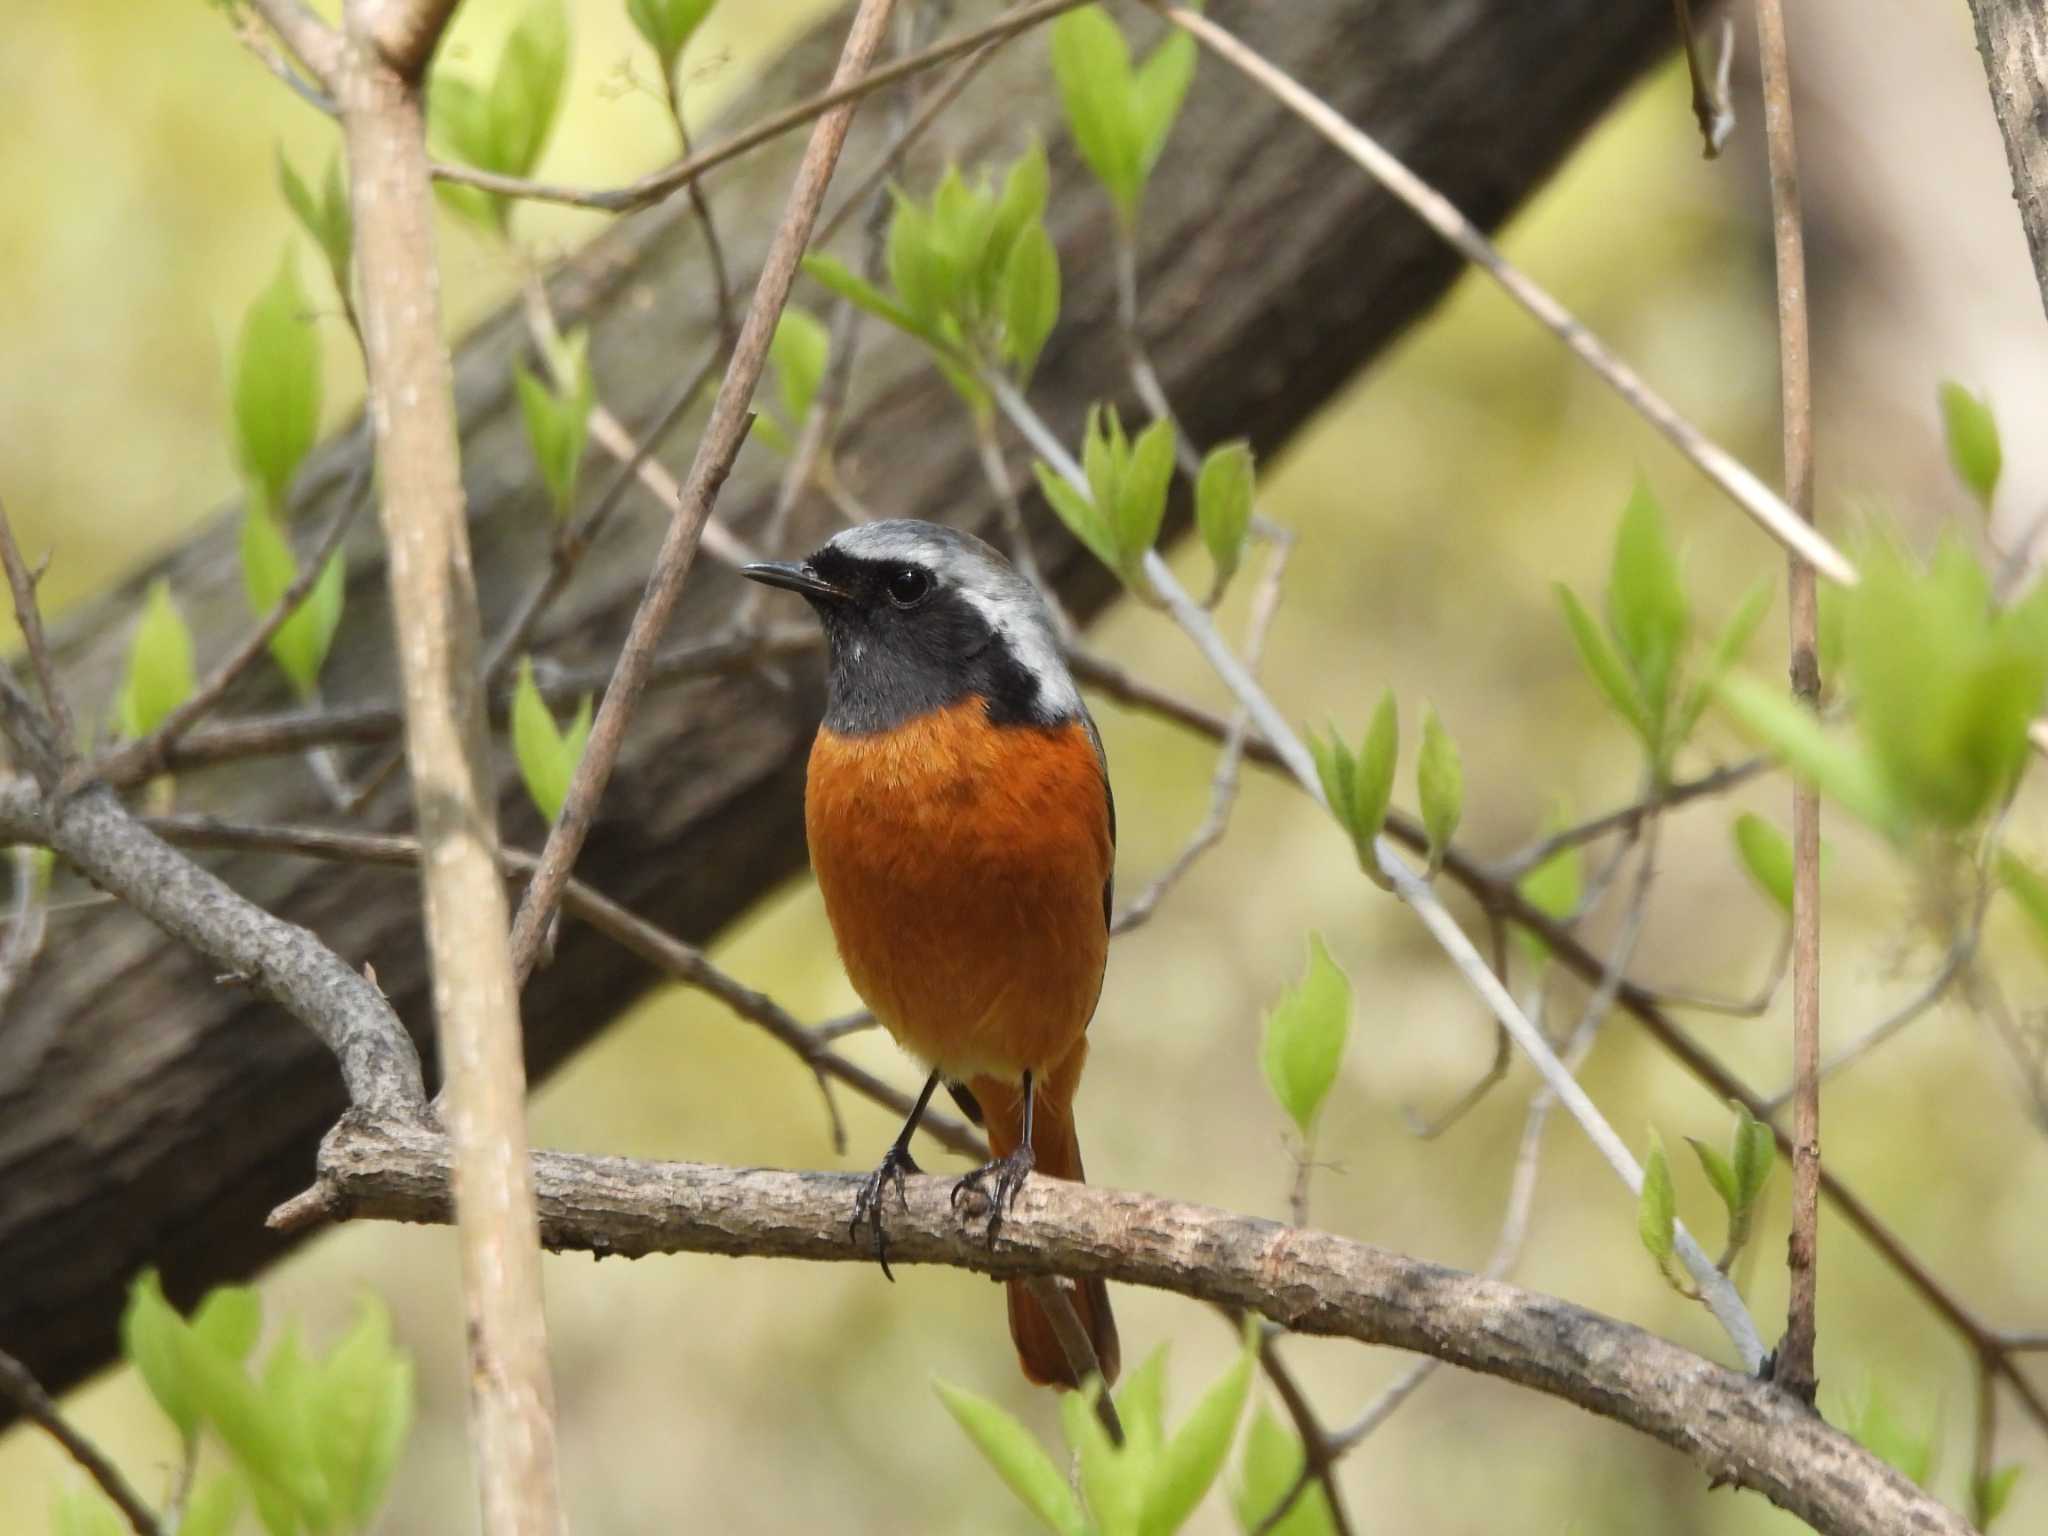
[[962, 866]]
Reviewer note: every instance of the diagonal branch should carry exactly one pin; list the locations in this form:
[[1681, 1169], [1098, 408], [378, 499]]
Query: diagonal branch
[[1733, 1427], [2013, 37], [28, 1395], [716, 451]]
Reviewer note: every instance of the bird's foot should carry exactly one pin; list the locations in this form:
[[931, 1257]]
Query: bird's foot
[[867, 1205], [1007, 1175]]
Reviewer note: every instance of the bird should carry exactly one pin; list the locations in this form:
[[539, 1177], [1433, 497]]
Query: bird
[[962, 832]]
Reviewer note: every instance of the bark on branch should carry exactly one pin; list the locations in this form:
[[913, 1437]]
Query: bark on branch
[[2013, 37], [1735, 1428], [169, 1113]]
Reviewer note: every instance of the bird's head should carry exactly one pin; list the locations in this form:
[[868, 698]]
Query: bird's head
[[919, 617]]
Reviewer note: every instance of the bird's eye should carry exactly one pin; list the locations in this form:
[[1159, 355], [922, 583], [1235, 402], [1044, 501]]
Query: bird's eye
[[909, 587]]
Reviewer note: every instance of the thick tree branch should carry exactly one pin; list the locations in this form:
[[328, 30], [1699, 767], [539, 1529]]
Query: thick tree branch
[[2013, 37], [1735, 1428]]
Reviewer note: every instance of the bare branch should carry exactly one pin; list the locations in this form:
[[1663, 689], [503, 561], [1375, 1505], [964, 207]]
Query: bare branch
[[1735, 1428], [1715, 462], [405, 32], [1709, 86], [35, 1404], [2013, 37], [315, 44], [715, 453], [1628, 817], [28, 613]]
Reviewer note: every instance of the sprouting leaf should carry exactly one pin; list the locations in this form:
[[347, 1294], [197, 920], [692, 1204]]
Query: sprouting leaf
[[147, 1326], [361, 1411], [85, 1512], [1112, 1479], [1158, 87], [1657, 1204], [1728, 648], [1647, 611], [1026, 186], [1837, 767], [1141, 505], [1602, 664], [1223, 505], [557, 417], [1078, 513], [269, 568], [1305, 1037], [526, 92], [1193, 1457], [1767, 856], [668, 25], [1990, 1494], [1720, 1173], [1439, 785], [459, 127], [326, 218], [800, 351], [1755, 1153], [1372, 789], [1142, 1406], [1554, 887], [276, 386], [1091, 64], [160, 676], [547, 755], [836, 276], [1271, 1464], [1031, 296], [213, 1507], [1017, 1458], [1973, 446], [230, 1317]]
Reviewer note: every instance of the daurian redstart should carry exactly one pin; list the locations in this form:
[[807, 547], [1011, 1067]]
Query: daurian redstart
[[963, 835]]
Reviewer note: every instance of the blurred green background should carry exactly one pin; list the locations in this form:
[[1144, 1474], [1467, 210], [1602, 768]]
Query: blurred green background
[[1438, 501]]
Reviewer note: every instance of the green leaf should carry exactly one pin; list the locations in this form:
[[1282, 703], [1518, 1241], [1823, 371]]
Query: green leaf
[[1194, 1455], [1223, 505], [527, 90], [1990, 1494], [547, 755], [1372, 787], [557, 417], [1973, 447], [1720, 1173], [1031, 297], [1755, 1153], [800, 351], [1105, 453], [1728, 648], [1439, 785], [1141, 502], [1767, 856], [160, 676], [1657, 1204], [1647, 612], [361, 1413], [326, 218], [275, 390], [229, 1319], [1836, 767], [1078, 513], [2029, 888], [269, 568], [1017, 1458], [1142, 1406], [459, 126], [862, 294], [1092, 66], [1555, 887], [1305, 1037], [213, 1507], [148, 1329], [668, 25], [1022, 204], [1602, 664], [1110, 1481], [1271, 1463], [1158, 87], [85, 1512], [1338, 771]]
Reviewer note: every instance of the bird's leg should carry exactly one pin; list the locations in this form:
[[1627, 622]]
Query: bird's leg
[[897, 1161], [1008, 1173]]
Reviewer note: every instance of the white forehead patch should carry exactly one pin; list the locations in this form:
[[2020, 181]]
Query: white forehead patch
[[986, 581]]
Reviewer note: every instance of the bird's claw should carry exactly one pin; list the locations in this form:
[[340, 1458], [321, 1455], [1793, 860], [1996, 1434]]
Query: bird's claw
[[867, 1204], [1008, 1174]]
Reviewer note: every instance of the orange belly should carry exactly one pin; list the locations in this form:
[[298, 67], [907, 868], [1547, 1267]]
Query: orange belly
[[963, 867]]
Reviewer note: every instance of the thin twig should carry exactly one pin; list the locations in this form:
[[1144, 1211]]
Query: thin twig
[[28, 614], [1709, 88], [846, 90], [1953, 965], [1626, 818], [261, 44], [315, 44], [1437, 211], [715, 453], [1722, 1299], [1793, 1366], [1750, 1007], [1319, 1454], [37, 1406]]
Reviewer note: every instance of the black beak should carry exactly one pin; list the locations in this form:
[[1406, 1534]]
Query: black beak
[[792, 577]]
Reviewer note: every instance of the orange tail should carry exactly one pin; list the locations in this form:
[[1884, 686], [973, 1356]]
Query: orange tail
[[1058, 1156]]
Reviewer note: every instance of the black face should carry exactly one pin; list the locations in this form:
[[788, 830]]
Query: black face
[[903, 643]]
